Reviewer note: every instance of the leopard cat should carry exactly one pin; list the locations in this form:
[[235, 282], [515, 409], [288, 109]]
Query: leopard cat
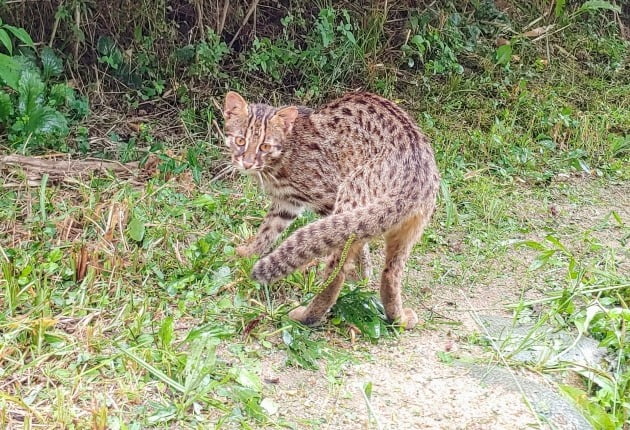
[[361, 163]]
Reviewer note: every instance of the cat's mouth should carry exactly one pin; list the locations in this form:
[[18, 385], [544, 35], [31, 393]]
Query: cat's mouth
[[249, 169]]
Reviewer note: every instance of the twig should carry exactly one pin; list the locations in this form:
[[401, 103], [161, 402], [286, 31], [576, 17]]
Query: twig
[[226, 5], [251, 9], [53, 33], [77, 23], [42, 196], [200, 26]]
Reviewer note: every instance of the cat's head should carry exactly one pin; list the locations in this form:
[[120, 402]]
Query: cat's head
[[255, 133]]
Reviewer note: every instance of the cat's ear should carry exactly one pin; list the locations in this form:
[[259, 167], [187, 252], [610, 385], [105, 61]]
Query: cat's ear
[[234, 106], [285, 118]]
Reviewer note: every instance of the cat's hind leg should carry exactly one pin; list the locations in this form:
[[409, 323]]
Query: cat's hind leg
[[324, 300], [398, 244]]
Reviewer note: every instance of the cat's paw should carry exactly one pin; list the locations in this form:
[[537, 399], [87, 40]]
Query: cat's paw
[[408, 319], [301, 315]]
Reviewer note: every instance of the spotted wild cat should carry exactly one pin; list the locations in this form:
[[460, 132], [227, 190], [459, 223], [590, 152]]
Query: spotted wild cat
[[361, 163]]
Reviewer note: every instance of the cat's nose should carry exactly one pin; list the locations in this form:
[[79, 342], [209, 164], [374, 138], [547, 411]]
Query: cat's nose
[[247, 164]]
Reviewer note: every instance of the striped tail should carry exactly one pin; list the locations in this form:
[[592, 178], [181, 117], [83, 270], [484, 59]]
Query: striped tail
[[323, 236]]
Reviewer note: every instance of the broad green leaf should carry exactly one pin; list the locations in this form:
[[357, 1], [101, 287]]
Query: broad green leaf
[[269, 406], [249, 379], [287, 338], [592, 411], [153, 370], [503, 54], [598, 5], [584, 165], [31, 92], [200, 362], [135, 229], [221, 277], [6, 106], [44, 119], [51, 64], [6, 40], [21, 34], [162, 415], [60, 95], [10, 71]]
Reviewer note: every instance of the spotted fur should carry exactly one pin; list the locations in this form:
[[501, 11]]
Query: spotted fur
[[360, 162]]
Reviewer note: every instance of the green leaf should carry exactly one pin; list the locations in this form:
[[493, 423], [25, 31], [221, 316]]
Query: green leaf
[[61, 95], [542, 259], [135, 229], [617, 218], [445, 357], [269, 406], [367, 389], [362, 309], [554, 240], [503, 55], [165, 333], [162, 415], [153, 370], [44, 119], [10, 71], [21, 34], [221, 277], [593, 412], [559, 9], [301, 350], [533, 244], [6, 40], [6, 106], [249, 379], [51, 63], [583, 324], [31, 92], [598, 5]]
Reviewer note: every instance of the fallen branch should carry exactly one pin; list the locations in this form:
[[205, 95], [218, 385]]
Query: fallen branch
[[19, 170]]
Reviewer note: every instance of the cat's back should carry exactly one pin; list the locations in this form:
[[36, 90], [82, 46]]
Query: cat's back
[[367, 118]]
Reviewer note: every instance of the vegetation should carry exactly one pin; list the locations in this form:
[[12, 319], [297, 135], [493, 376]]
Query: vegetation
[[125, 306]]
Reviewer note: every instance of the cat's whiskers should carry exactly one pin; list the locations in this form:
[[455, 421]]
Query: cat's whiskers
[[229, 168]]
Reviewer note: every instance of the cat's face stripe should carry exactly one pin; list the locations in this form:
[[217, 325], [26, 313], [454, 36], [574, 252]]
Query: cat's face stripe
[[262, 137]]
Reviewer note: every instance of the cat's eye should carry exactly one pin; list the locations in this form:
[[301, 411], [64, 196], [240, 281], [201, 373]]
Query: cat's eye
[[265, 147], [239, 141]]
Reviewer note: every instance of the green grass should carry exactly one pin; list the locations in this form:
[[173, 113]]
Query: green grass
[[126, 307]]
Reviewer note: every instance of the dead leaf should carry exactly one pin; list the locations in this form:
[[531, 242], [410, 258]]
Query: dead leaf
[[150, 168], [135, 126], [81, 263], [501, 41], [538, 31], [252, 324]]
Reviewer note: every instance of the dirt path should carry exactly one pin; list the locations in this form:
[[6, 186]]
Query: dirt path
[[413, 384]]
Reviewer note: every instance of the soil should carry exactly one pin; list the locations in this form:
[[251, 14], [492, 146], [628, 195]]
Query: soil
[[414, 384]]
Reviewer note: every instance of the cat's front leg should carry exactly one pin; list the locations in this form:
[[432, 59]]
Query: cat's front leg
[[279, 217]]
